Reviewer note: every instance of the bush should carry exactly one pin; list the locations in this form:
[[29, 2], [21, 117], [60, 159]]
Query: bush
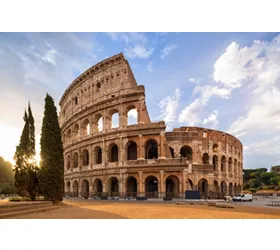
[[253, 190]]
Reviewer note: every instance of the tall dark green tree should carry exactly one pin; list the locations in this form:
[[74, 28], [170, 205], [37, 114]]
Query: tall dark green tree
[[52, 162], [26, 179], [21, 159]]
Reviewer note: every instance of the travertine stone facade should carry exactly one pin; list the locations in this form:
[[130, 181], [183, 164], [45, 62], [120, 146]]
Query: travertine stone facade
[[141, 159]]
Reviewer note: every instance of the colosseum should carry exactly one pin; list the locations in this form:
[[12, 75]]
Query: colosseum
[[112, 148]]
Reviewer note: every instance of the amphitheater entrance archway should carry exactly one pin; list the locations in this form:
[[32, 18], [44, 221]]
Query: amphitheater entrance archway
[[230, 189], [113, 153], [216, 190], [186, 152], [203, 188], [131, 151], [223, 188], [151, 149], [75, 189], [205, 158], [172, 186], [113, 186], [68, 185], [131, 187], [151, 187], [97, 187], [85, 189]]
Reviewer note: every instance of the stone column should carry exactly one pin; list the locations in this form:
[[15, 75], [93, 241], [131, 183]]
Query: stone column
[[162, 185], [161, 151], [226, 168], [140, 191], [141, 148]]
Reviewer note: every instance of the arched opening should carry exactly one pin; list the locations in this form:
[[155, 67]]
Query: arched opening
[[131, 187], [151, 185], [76, 131], [235, 189], [97, 124], [85, 189], [68, 187], [235, 168], [151, 149], [131, 115], [113, 153], [216, 190], [189, 185], [205, 158], [230, 166], [98, 155], [131, 151], [223, 164], [172, 186], [230, 189], [186, 152], [75, 189], [97, 187], [68, 136], [98, 87], [172, 152], [75, 160], [203, 188], [85, 127], [215, 162], [85, 157], [68, 162], [223, 188], [215, 148], [113, 186], [115, 119]]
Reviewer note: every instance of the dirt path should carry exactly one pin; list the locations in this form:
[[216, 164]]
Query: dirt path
[[72, 212]]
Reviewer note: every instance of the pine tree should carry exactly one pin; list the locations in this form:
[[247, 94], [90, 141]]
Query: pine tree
[[52, 162]]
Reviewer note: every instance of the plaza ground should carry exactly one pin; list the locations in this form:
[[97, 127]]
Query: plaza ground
[[90, 209]]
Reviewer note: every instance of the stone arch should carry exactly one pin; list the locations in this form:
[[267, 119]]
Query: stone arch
[[75, 189], [131, 186], [98, 123], [230, 166], [98, 87], [85, 128], [205, 158], [97, 187], [113, 118], [230, 189], [172, 186], [75, 160], [68, 187], [131, 149], [85, 189], [234, 189], [113, 153], [203, 188], [76, 131], [223, 188], [151, 149], [172, 153], [223, 164], [68, 135], [235, 167], [215, 162], [131, 115], [216, 186], [186, 151], [85, 157], [113, 185], [98, 155], [151, 186], [68, 163]]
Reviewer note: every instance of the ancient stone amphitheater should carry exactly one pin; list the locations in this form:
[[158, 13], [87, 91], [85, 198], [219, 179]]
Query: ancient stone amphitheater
[[112, 148]]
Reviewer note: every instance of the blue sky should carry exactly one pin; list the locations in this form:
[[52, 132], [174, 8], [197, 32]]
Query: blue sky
[[225, 81]]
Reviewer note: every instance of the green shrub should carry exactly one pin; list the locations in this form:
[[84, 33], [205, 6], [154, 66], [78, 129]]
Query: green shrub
[[253, 190]]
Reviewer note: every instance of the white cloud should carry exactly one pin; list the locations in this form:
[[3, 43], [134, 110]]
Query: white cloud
[[191, 113], [257, 68], [167, 49], [129, 37], [50, 57], [268, 147], [192, 80], [211, 121], [169, 106], [138, 51], [150, 66], [132, 113]]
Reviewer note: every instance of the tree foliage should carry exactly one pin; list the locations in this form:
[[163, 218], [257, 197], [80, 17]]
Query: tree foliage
[[6, 171], [52, 161]]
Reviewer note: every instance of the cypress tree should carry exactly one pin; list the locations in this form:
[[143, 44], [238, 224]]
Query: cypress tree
[[52, 161], [21, 159]]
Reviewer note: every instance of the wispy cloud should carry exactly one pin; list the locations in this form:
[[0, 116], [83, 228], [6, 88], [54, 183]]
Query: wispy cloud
[[211, 121], [138, 51], [167, 50], [150, 66]]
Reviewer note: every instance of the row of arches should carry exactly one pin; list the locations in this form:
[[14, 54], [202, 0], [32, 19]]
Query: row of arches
[[233, 166], [113, 121], [151, 187]]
